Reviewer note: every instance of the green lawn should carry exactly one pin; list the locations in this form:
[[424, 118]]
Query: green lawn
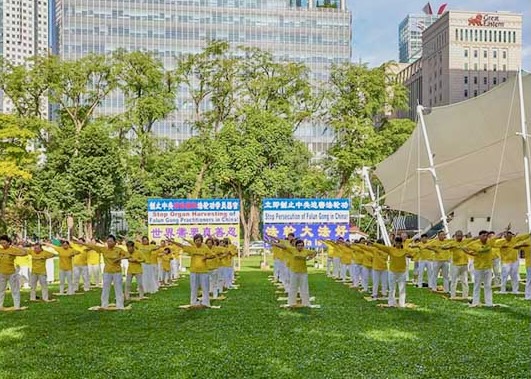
[[251, 337]]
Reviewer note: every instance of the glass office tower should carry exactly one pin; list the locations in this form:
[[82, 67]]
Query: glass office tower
[[314, 32]]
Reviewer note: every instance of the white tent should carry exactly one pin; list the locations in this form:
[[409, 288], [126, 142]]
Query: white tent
[[478, 158]]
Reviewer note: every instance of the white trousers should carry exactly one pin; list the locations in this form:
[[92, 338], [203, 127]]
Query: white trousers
[[343, 272], [115, 279], [276, 270], [159, 271], [510, 269], [482, 277], [166, 276], [174, 264], [329, 266], [129, 282], [81, 271], [444, 268], [425, 266], [394, 279], [496, 269], [459, 273], [528, 284], [337, 265], [95, 274], [38, 278], [197, 280], [379, 278], [50, 270], [148, 278], [355, 274], [65, 276], [155, 277], [298, 283], [24, 276], [14, 284], [365, 275]]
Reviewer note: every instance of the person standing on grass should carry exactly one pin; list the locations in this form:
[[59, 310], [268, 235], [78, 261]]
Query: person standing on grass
[[459, 268], [226, 262], [397, 270], [380, 275], [80, 267], [38, 271], [298, 282], [166, 258], [8, 254], [112, 271], [94, 266], [199, 275], [425, 261], [134, 270], [441, 261], [525, 246], [66, 253], [149, 276], [483, 255], [510, 261]]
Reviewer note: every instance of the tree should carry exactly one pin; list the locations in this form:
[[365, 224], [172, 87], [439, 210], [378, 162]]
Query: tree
[[360, 100], [149, 93], [16, 160]]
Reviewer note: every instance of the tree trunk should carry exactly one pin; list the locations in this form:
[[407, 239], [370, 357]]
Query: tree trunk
[[255, 222], [88, 224], [199, 182], [344, 188], [5, 195]]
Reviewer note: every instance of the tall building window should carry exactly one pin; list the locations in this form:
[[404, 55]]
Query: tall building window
[[466, 66], [466, 93], [466, 79], [504, 36], [495, 53], [475, 66], [485, 67], [514, 37], [466, 53], [494, 67], [485, 53], [490, 35], [504, 54], [461, 34], [495, 34], [475, 35], [475, 93], [494, 81], [499, 35], [475, 80], [475, 53], [466, 34], [481, 35], [485, 80]]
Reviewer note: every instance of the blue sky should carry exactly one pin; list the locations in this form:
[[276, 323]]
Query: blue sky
[[375, 24]]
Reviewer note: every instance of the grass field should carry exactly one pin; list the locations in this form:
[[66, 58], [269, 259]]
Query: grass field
[[251, 337]]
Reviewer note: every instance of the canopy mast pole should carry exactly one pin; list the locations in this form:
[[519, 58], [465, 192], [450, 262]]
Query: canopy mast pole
[[431, 169], [376, 207], [525, 136]]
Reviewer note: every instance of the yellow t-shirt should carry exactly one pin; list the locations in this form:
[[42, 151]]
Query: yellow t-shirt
[[297, 260], [347, 255], [440, 254], [146, 250], [198, 256], [484, 257], [423, 253], [112, 258], [7, 259], [65, 258], [231, 250], [38, 261], [166, 262], [23, 261], [459, 258], [397, 257], [507, 252], [379, 259], [93, 257], [135, 262]]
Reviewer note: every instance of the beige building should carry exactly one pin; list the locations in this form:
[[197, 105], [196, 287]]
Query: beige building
[[468, 53], [464, 55]]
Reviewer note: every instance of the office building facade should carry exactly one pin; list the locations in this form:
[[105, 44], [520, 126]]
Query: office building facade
[[410, 36], [314, 32], [24, 27]]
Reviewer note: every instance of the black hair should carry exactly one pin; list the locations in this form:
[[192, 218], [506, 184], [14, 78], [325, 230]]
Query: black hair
[[483, 232], [112, 237], [130, 244], [291, 235], [298, 242], [424, 235], [198, 236], [4, 237]]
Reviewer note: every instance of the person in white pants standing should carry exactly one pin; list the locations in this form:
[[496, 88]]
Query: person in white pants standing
[[149, 276], [8, 253], [66, 253], [525, 246], [510, 260], [112, 271], [380, 276], [94, 267], [482, 252], [397, 270], [298, 282], [425, 263], [459, 269], [38, 271], [134, 270], [80, 267], [441, 261], [199, 275]]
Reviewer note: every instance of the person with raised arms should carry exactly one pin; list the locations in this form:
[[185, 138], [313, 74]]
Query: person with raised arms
[[459, 268], [38, 271], [8, 254], [199, 275], [66, 254], [525, 246], [134, 270], [112, 271], [510, 262], [397, 270], [149, 276], [441, 261], [298, 256]]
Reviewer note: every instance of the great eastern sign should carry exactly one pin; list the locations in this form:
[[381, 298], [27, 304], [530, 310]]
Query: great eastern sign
[[486, 20]]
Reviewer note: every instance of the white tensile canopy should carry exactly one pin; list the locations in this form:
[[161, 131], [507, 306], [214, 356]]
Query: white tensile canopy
[[478, 158]]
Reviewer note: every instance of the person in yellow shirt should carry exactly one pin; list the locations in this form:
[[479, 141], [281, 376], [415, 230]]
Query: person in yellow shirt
[[298, 256], [397, 270], [199, 276], [38, 271], [134, 270], [510, 262], [481, 250], [149, 276], [496, 263], [459, 269], [94, 267], [525, 246], [80, 267], [226, 262], [8, 254], [166, 258], [66, 253], [441, 261], [425, 259], [174, 263], [380, 275], [366, 266], [112, 271], [345, 254], [23, 266]]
